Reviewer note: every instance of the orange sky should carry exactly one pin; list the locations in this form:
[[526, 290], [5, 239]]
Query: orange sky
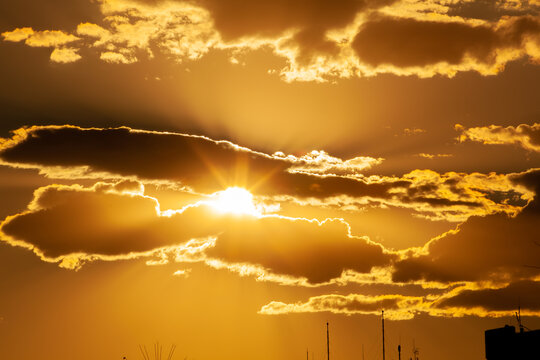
[[229, 175]]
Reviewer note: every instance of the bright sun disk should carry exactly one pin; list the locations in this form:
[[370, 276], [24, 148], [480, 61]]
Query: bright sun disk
[[234, 200]]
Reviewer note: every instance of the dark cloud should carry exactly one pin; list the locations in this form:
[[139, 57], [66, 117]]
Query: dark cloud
[[398, 307], [311, 19], [405, 42], [298, 247], [525, 294], [70, 221], [105, 220], [199, 162], [242, 18], [207, 166], [489, 9], [492, 247], [524, 135]]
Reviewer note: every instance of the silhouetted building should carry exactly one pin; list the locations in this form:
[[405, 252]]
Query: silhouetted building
[[507, 344]]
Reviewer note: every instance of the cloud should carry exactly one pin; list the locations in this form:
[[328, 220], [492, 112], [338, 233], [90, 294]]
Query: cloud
[[46, 38], [461, 301], [320, 41], [117, 58], [183, 273], [396, 307], [73, 224], [425, 48], [321, 163], [496, 247], [18, 34], [492, 10], [524, 135], [65, 55], [238, 19], [433, 156], [413, 131], [207, 166], [505, 300]]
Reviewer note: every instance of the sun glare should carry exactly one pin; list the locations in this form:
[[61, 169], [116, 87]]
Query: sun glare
[[234, 200]]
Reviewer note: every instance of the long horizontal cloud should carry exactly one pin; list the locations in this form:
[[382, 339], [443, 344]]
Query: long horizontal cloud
[[524, 135], [196, 161], [525, 294], [483, 302], [118, 221], [207, 166], [496, 247], [318, 39], [401, 307], [429, 47]]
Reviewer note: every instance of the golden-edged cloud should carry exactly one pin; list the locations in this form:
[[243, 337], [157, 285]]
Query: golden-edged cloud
[[65, 55], [459, 302], [497, 301], [524, 135], [73, 224], [207, 166], [397, 307], [496, 247], [319, 41], [46, 38], [426, 48]]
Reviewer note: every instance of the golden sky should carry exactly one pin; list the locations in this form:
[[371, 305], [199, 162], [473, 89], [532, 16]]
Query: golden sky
[[229, 175]]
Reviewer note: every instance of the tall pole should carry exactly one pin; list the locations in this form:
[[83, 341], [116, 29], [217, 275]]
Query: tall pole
[[383, 356], [327, 341], [399, 352]]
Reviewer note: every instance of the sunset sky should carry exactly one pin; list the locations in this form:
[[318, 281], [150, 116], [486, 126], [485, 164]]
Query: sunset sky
[[229, 175]]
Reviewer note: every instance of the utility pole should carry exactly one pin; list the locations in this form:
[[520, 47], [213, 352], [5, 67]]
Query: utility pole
[[327, 341], [383, 356]]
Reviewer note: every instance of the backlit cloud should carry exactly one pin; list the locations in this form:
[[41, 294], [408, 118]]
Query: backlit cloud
[[459, 302], [427, 48], [319, 41], [73, 224], [397, 307], [46, 38], [496, 247], [526, 136], [207, 166], [65, 55]]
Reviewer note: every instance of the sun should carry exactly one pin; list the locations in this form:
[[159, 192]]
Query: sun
[[234, 200]]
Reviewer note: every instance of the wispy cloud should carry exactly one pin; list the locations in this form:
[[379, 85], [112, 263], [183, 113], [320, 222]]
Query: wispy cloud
[[523, 135]]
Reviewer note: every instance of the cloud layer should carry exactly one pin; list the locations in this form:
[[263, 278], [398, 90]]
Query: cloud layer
[[319, 41], [492, 249], [523, 135], [116, 221], [207, 166]]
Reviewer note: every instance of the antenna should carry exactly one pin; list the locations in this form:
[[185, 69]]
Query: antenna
[[382, 318], [415, 350], [518, 317], [327, 341]]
